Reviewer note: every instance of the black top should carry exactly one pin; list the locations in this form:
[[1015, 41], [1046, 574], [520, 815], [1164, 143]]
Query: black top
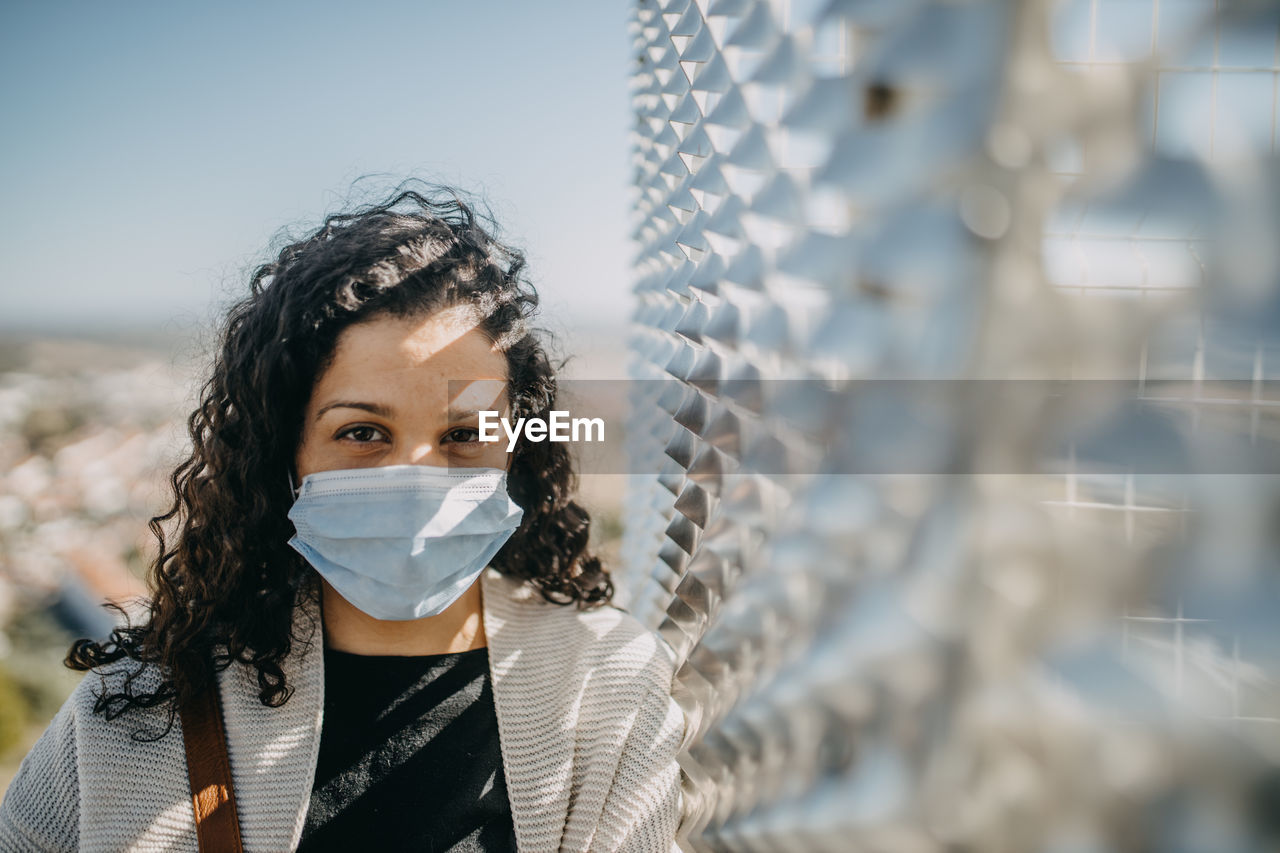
[[409, 757]]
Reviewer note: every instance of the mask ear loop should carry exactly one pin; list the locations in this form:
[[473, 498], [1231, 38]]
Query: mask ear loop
[[292, 487]]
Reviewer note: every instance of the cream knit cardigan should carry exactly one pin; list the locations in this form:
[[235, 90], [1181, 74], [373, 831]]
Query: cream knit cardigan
[[589, 735]]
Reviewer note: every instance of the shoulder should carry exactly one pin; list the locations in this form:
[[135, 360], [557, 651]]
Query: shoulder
[[89, 716], [602, 640], [42, 806], [97, 712], [105, 731], [592, 690]]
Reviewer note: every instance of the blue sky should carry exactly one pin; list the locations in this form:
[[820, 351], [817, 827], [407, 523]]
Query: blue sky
[[152, 149]]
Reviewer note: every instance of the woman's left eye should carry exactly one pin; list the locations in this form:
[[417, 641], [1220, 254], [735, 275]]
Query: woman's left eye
[[462, 435]]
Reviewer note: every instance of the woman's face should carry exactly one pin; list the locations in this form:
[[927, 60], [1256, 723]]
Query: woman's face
[[406, 392]]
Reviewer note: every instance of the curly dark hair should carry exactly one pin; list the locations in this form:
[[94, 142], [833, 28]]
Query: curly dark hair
[[225, 588]]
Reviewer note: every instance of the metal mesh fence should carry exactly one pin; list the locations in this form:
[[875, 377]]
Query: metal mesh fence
[[1082, 656]]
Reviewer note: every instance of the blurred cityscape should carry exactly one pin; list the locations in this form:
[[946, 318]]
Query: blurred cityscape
[[88, 427]]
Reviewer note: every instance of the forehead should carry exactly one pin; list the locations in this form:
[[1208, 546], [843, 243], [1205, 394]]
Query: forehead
[[421, 352]]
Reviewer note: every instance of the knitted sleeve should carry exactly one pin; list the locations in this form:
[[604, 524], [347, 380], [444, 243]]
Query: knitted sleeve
[[642, 809], [41, 809]]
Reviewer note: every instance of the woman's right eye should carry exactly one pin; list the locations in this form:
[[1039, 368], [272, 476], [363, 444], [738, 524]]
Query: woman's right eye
[[362, 434]]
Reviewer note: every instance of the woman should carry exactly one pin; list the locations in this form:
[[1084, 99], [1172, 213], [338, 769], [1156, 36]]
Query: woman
[[412, 645]]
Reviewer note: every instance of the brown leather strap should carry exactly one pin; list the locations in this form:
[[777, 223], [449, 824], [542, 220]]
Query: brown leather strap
[[212, 796]]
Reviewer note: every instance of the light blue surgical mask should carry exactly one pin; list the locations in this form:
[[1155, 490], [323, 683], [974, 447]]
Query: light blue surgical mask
[[403, 541]]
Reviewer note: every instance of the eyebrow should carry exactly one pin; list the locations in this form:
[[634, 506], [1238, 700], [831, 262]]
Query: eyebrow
[[466, 414], [373, 408]]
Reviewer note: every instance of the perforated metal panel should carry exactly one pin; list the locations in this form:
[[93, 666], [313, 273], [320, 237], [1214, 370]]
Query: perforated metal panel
[[1029, 650]]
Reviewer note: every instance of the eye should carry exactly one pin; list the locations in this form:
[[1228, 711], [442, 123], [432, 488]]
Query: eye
[[361, 434], [462, 435]]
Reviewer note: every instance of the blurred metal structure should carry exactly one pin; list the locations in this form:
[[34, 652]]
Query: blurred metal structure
[[1062, 658]]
